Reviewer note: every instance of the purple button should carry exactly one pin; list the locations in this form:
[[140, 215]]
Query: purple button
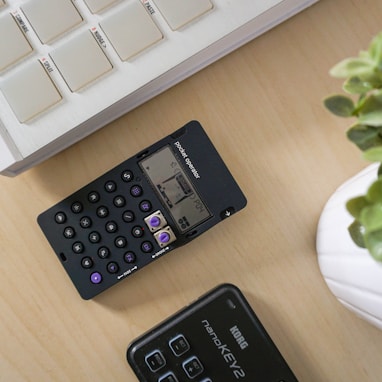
[[112, 267], [145, 206], [136, 191], [164, 237], [155, 221], [147, 247], [129, 257], [96, 278]]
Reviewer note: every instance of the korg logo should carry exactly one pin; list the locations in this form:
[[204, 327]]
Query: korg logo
[[239, 338], [224, 351]]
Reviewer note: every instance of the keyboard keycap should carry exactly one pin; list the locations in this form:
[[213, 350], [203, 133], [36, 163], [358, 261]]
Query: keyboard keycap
[[96, 6], [193, 367], [170, 377], [52, 18], [155, 361], [180, 12], [81, 61], [30, 91], [14, 46], [131, 30], [179, 345]]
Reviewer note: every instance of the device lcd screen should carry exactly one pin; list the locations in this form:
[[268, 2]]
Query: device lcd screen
[[175, 189]]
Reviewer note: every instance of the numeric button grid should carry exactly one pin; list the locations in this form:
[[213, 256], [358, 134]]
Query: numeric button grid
[[103, 230]]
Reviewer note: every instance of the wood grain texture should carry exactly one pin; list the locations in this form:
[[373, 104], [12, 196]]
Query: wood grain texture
[[262, 107]]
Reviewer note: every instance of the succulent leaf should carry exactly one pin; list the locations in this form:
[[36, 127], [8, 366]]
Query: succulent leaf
[[351, 67], [356, 85], [371, 111], [365, 137], [356, 231], [374, 154], [340, 105], [356, 205], [373, 242], [371, 217], [374, 193], [375, 50]]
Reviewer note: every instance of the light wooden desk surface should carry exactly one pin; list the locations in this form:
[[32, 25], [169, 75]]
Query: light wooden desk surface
[[262, 108]]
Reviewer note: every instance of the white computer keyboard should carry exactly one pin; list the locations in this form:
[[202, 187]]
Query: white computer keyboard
[[68, 67]]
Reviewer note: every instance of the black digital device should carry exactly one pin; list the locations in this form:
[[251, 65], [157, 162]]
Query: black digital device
[[150, 204], [218, 338]]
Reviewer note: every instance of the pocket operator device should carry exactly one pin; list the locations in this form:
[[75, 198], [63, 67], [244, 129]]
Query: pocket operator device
[[156, 201]]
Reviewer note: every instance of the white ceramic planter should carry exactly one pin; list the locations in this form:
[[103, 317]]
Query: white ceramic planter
[[352, 275]]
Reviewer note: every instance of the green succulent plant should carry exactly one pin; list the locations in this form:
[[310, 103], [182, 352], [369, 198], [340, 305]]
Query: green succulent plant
[[363, 101]]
